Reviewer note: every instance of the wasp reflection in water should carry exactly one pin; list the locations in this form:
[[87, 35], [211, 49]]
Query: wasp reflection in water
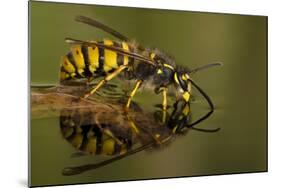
[[107, 129]]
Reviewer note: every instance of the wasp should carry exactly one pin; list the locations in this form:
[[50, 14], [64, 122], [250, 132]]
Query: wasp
[[94, 131], [125, 58]]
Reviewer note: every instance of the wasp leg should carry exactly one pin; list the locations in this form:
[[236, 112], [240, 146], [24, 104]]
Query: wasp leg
[[133, 125], [180, 116], [137, 86], [106, 79], [137, 130], [108, 132], [164, 104], [164, 101], [111, 135]]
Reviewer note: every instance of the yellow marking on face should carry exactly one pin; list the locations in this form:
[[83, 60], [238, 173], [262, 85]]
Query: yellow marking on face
[[125, 46], [110, 57], [152, 56], [93, 53], [159, 71], [185, 77], [78, 59], [186, 96], [168, 66], [176, 78], [67, 65], [189, 87], [108, 146]]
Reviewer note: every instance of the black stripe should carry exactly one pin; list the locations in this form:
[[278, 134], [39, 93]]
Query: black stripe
[[85, 131], [100, 70], [111, 71], [131, 60], [62, 69], [99, 143], [84, 142], [72, 61], [120, 57], [87, 72], [117, 148], [116, 44]]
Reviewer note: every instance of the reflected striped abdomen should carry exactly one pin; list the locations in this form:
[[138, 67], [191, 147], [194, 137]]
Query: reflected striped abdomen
[[90, 140]]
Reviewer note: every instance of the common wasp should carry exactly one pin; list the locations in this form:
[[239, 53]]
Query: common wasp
[[89, 60]]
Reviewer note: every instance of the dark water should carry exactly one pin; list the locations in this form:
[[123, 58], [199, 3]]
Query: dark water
[[238, 90]]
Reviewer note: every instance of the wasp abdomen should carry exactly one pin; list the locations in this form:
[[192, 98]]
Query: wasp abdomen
[[91, 61], [89, 139]]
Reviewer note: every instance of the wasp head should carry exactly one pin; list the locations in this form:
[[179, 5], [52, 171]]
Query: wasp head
[[183, 84]]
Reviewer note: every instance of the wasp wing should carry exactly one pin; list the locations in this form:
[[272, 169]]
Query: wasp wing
[[69, 171], [99, 25]]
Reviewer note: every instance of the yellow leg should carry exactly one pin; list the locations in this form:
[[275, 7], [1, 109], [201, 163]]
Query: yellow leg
[[137, 86], [133, 125], [164, 104], [137, 130], [106, 79], [110, 134]]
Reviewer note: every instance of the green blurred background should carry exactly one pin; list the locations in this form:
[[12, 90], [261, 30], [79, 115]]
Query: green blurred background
[[238, 89]]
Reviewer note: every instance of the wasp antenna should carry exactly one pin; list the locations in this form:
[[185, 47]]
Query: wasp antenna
[[206, 130], [208, 99], [206, 67]]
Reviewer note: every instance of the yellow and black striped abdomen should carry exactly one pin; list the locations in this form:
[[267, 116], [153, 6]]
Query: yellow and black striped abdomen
[[89, 139], [89, 62]]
